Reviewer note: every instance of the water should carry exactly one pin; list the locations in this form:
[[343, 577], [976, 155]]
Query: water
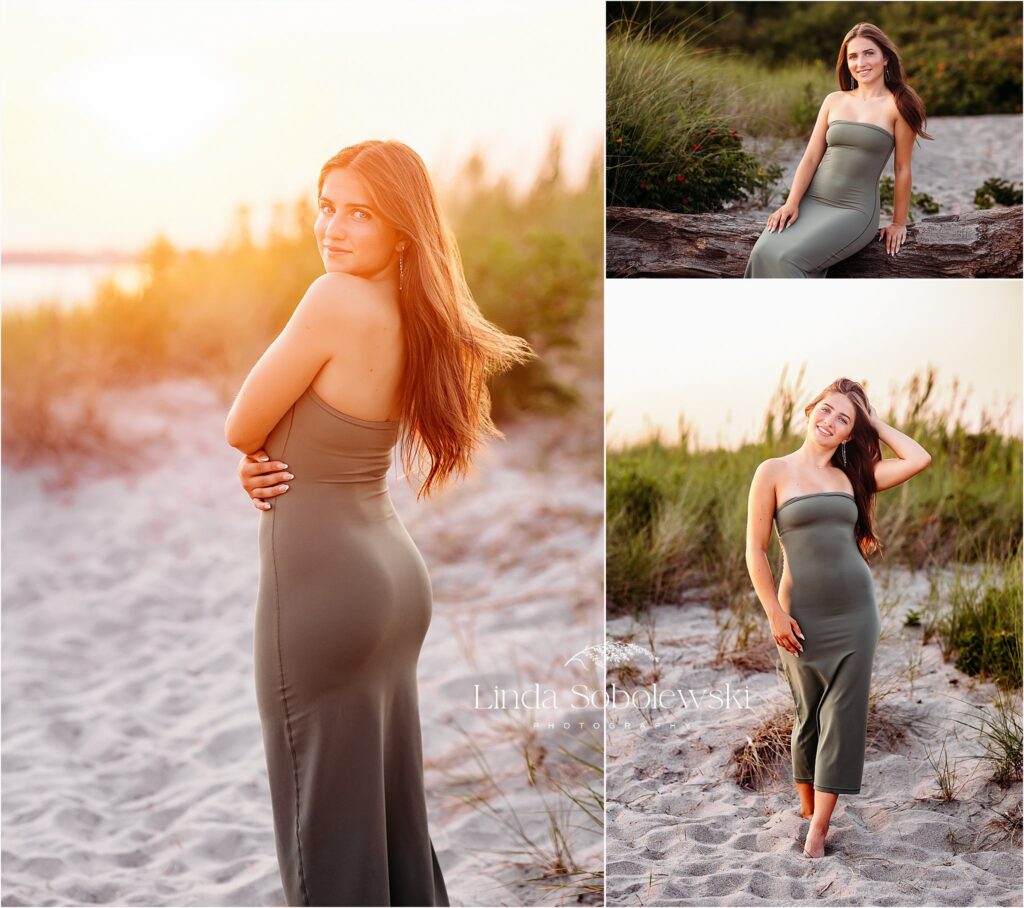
[[24, 286]]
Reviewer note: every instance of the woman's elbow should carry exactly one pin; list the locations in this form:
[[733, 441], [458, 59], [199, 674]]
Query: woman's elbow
[[238, 441], [753, 555], [230, 433]]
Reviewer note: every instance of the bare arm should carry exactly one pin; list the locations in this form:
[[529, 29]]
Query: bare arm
[[901, 169], [289, 365], [895, 234], [910, 457], [760, 513]]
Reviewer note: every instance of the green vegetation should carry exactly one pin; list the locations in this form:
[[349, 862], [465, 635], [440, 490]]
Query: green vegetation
[[920, 200], [980, 625], [676, 116], [700, 95], [532, 260], [995, 191], [963, 58], [1000, 731], [676, 514]]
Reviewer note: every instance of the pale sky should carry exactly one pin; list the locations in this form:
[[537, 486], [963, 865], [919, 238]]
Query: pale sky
[[124, 119], [713, 351]]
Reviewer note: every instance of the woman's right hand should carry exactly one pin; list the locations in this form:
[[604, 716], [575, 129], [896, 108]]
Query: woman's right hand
[[785, 630], [779, 220], [262, 479]]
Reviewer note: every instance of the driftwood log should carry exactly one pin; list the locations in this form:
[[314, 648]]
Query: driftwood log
[[647, 243]]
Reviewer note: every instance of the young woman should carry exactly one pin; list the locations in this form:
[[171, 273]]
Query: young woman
[[833, 208], [823, 616], [388, 339]]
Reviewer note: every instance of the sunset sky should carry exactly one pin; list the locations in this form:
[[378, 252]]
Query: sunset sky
[[713, 351], [124, 119]]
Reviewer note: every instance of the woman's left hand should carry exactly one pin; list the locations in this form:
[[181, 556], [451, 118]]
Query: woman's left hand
[[894, 236]]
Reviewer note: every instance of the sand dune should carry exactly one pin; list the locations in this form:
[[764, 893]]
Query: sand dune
[[681, 832], [133, 768]]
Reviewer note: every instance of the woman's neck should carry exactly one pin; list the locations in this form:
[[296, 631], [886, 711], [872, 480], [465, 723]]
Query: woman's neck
[[868, 95], [814, 455]]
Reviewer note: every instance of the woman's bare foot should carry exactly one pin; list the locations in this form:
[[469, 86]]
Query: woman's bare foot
[[814, 844], [807, 815]]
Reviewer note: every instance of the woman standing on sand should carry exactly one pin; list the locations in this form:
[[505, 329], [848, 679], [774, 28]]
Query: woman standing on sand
[[388, 338], [823, 616], [833, 208]]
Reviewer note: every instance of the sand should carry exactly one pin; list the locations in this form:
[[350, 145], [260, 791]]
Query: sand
[[133, 768], [680, 832], [964, 152]]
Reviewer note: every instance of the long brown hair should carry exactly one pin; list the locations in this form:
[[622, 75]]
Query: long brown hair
[[451, 349], [908, 102], [863, 451]]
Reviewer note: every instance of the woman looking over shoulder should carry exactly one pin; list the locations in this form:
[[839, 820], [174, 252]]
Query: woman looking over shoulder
[[823, 616], [833, 207], [389, 340]]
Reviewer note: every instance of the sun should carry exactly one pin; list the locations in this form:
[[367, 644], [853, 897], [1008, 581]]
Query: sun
[[153, 104]]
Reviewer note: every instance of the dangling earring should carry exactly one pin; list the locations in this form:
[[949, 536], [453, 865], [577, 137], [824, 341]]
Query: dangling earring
[[885, 71], [844, 453], [401, 267]]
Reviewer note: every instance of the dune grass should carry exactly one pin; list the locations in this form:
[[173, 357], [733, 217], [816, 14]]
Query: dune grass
[[676, 514], [962, 58], [674, 77], [1000, 731], [978, 622], [679, 118], [533, 261], [567, 791]]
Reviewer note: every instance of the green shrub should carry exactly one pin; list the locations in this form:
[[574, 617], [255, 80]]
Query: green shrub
[[671, 140], [982, 628], [963, 58], [920, 200], [995, 191]]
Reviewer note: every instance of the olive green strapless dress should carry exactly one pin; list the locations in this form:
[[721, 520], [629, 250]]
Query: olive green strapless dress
[[831, 595], [343, 606], [838, 214]]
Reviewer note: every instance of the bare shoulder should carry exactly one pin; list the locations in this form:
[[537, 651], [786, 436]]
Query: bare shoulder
[[831, 98], [770, 471], [346, 301], [900, 125]]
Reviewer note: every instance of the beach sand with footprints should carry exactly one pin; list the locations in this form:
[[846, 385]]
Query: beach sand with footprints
[[683, 831], [133, 763]]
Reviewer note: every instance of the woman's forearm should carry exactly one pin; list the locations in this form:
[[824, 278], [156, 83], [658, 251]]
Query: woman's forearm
[[761, 579], [802, 179], [903, 446], [901, 198]]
